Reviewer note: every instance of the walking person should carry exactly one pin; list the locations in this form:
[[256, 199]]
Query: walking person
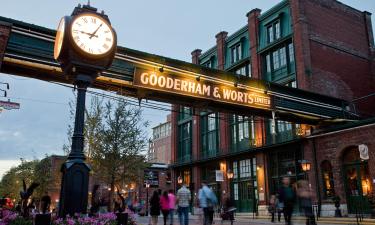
[[287, 197], [304, 194], [207, 201], [172, 205], [279, 207], [154, 208], [164, 203], [272, 207], [183, 201]]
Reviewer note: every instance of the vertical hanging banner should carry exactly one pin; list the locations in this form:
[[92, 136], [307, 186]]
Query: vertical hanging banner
[[201, 88]]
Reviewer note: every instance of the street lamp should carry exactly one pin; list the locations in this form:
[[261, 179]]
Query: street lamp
[[306, 166], [230, 175], [147, 187]]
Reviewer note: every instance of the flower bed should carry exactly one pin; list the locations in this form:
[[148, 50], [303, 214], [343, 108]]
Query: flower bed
[[12, 218]]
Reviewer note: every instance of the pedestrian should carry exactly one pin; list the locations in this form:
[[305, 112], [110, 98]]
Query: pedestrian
[[45, 203], [304, 194], [164, 203], [287, 197], [207, 201], [279, 207], [154, 208], [272, 207], [183, 201], [172, 205]]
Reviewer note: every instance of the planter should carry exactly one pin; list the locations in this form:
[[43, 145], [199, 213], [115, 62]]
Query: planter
[[122, 218], [42, 219]]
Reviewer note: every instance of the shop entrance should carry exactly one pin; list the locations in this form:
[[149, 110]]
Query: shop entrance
[[357, 181]]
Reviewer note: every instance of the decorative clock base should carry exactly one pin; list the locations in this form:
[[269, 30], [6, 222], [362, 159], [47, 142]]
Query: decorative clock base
[[74, 188]]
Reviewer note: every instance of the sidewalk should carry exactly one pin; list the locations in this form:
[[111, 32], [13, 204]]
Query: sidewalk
[[247, 219]]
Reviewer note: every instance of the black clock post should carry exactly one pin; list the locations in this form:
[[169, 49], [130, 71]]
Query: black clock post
[[81, 64]]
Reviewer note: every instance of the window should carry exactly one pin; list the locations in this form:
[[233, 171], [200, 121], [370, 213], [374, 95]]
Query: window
[[273, 32], [292, 84], [282, 55], [185, 113], [242, 132], [236, 53], [208, 64], [270, 34], [244, 70], [268, 63], [184, 146], [235, 191], [276, 60], [245, 168], [283, 126], [291, 52], [277, 30], [235, 174], [328, 184], [210, 135]]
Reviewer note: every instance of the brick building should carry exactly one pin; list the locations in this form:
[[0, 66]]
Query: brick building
[[159, 150], [321, 46]]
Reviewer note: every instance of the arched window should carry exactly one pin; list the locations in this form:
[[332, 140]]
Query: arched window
[[328, 184]]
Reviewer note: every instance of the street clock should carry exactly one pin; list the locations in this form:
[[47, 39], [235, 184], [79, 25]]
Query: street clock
[[85, 42]]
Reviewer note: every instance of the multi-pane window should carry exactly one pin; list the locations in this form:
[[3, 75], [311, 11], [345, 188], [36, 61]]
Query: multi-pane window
[[236, 53], [242, 132], [276, 60], [283, 126], [244, 70], [268, 63], [273, 32], [291, 52], [210, 135], [235, 168], [279, 62], [185, 113], [235, 191], [245, 168], [208, 64], [184, 137]]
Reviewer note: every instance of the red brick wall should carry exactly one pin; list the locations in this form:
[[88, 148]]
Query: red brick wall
[[253, 29], [333, 48], [4, 35], [332, 146]]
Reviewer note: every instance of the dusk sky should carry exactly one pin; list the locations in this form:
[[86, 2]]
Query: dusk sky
[[166, 27]]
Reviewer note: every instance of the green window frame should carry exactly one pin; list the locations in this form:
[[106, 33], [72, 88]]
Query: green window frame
[[185, 113], [236, 52], [279, 61], [242, 130], [273, 31], [184, 142], [209, 135]]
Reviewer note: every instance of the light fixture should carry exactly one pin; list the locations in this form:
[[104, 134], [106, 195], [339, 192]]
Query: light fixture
[[161, 69], [198, 78], [306, 165], [230, 174], [258, 167], [147, 185], [235, 84], [179, 180]]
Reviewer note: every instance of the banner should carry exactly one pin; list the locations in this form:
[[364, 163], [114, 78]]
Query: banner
[[219, 175]]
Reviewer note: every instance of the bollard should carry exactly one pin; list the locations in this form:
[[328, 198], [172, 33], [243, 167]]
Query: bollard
[[122, 218], [42, 219]]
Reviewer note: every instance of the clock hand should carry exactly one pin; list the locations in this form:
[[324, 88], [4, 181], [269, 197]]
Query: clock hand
[[88, 33], [93, 34]]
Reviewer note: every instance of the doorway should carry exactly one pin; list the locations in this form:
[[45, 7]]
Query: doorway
[[356, 181]]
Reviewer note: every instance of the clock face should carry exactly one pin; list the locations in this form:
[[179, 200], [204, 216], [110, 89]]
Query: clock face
[[92, 34], [59, 38]]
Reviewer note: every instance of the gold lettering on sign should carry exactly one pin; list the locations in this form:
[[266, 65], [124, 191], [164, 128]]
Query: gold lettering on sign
[[206, 89]]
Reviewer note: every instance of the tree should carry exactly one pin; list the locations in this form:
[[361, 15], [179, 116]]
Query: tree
[[11, 183], [121, 141], [114, 141]]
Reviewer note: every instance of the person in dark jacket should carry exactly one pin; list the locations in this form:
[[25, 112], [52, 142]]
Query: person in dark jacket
[[155, 207], [287, 197]]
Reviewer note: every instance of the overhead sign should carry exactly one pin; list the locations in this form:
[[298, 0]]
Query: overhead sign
[[219, 175], [8, 105], [363, 152], [151, 177], [201, 88]]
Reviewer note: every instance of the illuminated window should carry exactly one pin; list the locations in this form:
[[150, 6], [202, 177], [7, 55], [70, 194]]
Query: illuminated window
[[242, 132], [328, 184]]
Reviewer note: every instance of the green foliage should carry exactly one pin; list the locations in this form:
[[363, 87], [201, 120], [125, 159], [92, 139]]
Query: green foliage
[[11, 183], [21, 221]]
